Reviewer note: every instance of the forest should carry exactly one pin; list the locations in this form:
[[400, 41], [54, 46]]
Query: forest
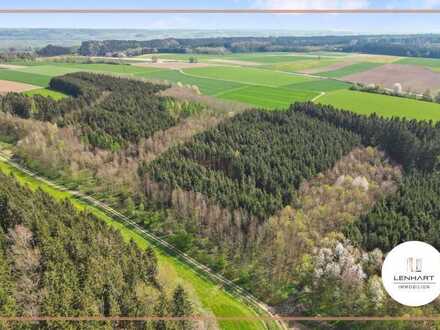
[[54, 50], [55, 261], [423, 45], [246, 162], [411, 213], [297, 206], [109, 111]]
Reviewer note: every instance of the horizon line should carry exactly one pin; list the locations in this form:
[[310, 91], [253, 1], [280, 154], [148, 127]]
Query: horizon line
[[215, 11]]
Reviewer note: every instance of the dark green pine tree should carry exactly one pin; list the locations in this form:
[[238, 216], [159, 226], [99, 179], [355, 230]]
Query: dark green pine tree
[[181, 307], [161, 310]]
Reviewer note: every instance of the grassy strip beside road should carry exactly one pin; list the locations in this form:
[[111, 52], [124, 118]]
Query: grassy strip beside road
[[212, 297]]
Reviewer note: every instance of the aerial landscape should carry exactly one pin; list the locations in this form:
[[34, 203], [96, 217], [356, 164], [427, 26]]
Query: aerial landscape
[[201, 179]]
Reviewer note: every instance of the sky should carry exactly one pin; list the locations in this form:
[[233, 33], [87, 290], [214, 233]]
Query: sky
[[355, 23]]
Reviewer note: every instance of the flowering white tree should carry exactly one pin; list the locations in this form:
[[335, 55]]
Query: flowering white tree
[[397, 88]]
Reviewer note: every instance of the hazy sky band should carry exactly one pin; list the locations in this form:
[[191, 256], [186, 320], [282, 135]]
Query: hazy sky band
[[357, 23], [226, 4]]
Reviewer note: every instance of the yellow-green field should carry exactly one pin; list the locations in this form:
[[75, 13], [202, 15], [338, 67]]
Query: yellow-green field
[[46, 92], [387, 106]]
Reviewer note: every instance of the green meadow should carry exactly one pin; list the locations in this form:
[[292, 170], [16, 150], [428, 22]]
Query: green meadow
[[387, 106], [207, 86], [268, 97], [25, 77], [246, 75], [320, 85]]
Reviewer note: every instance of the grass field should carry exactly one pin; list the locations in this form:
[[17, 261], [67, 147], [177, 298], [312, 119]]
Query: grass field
[[46, 92], [207, 86], [247, 75], [211, 296], [351, 69], [387, 106], [432, 63], [268, 97], [40, 75], [25, 77]]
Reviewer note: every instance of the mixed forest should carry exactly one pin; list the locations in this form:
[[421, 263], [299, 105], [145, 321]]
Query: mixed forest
[[423, 45], [298, 206]]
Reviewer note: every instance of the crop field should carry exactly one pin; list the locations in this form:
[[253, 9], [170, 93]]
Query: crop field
[[267, 59], [387, 106], [305, 64], [57, 69], [321, 85], [432, 63], [262, 86], [268, 97], [207, 86], [47, 70], [40, 75], [7, 86], [25, 77], [351, 69], [247, 75], [46, 92], [123, 69]]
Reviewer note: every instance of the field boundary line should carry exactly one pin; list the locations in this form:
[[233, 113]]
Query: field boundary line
[[192, 263]]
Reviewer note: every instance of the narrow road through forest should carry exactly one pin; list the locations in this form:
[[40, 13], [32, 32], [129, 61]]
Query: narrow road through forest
[[164, 245]]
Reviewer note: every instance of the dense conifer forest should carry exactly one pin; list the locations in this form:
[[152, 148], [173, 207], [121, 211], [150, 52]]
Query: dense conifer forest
[[255, 161], [55, 261]]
